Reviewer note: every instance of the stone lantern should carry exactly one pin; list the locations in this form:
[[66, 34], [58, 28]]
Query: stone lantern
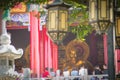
[[8, 53]]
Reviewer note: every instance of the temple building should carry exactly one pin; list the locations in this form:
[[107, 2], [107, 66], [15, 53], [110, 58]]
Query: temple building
[[41, 46]]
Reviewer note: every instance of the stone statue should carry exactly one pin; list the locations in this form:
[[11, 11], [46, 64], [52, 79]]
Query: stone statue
[[77, 52], [6, 48]]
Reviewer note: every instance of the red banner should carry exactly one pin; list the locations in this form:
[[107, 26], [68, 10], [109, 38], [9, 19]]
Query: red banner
[[105, 49], [34, 44], [117, 60], [43, 52]]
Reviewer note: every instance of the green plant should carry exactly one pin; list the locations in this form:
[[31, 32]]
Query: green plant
[[6, 4], [81, 31], [79, 16]]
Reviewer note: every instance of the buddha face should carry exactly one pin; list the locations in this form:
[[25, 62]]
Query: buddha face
[[73, 54]]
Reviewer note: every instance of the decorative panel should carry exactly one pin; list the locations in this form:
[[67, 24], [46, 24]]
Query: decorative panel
[[53, 18], [63, 20], [20, 8], [117, 26], [18, 20]]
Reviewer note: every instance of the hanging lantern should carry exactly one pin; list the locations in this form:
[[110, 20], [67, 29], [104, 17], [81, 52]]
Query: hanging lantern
[[99, 16], [117, 26], [117, 29], [57, 23]]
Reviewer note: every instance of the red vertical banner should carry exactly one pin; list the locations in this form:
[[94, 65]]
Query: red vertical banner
[[43, 52], [117, 60], [54, 56], [34, 44], [45, 44], [105, 49], [41, 49], [50, 51]]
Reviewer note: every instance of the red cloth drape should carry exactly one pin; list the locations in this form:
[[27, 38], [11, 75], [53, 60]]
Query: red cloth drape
[[105, 49], [34, 51], [43, 52], [45, 47], [54, 56], [117, 60], [50, 51]]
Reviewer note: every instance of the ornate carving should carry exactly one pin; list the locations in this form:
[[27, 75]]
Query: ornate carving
[[20, 8]]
